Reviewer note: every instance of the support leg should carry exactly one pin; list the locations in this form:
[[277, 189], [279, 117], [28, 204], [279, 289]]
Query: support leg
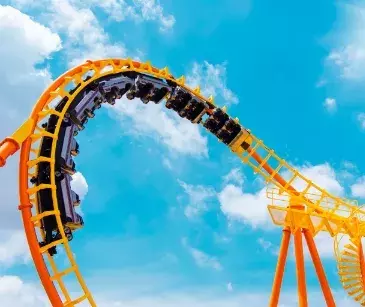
[[300, 269], [278, 279], [319, 269]]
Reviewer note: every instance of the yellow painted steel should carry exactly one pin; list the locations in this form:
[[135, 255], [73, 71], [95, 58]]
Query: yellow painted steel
[[322, 210], [318, 202], [350, 269]]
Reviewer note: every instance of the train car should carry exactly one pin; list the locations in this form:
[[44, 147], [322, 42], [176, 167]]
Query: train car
[[106, 90], [115, 87], [221, 125], [75, 150], [80, 112], [191, 108], [149, 88], [178, 100], [66, 147]]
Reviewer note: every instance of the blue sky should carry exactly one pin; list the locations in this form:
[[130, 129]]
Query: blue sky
[[171, 217]]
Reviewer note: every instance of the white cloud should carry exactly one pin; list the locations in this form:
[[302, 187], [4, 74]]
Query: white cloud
[[85, 36], [76, 19], [152, 10], [13, 248], [19, 32], [361, 120], [137, 10], [252, 299], [229, 287], [79, 185], [251, 208], [202, 259], [349, 165], [322, 175], [17, 293], [167, 127], [221, 239], [358, 188], [22, 83], [321, 82], [167, 163], [212, 80], [235, 176], [268, 246], [117, 10], [324, 243], [350, 60], [330, 104], [349, 54], [198, 197]]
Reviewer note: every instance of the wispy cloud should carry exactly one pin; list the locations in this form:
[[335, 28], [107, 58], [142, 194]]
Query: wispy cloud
[[19, 70], [251, 208], [358, 188], [198, 197], [13, 248], [348, 54], [20, 293], [212, 79], [202, 259], [79, 185], [235, 176], [268, 246], [178, 134], [361, 120], [137, 10], [330, 104]]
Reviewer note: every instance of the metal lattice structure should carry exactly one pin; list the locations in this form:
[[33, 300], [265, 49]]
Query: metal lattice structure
[[297, 205]]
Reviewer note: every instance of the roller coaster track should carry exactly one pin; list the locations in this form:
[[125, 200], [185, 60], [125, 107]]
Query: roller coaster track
[[298, 205]]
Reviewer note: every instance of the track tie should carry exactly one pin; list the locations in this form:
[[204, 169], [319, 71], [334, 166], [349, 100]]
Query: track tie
[[42, 186], [37, 136], [35, 151], [342, 273], [42, 114], [76, 301], [347, 253], [30, 175], [44, 214], [355, 291], [346, 260], [34, 162], [350, 270], [348, 286], [344, 279], [59, 275], [352, 247], [359, 297], [345, 266], [50, 245]]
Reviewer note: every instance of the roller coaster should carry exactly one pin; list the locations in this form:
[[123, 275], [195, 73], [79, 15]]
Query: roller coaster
[[47, 145]]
